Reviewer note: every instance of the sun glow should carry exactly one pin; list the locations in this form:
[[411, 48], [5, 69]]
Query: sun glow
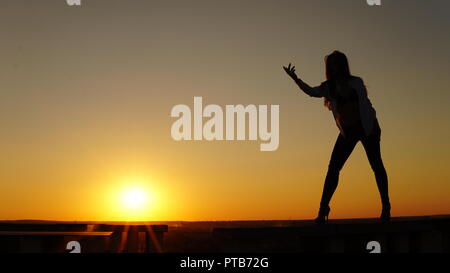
[[135, 198], [134, 201]]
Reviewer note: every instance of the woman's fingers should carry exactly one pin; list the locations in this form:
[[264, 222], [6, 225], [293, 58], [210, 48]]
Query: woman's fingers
[[290, 69]]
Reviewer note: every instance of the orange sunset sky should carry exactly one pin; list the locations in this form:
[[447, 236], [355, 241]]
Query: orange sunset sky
[[86, 94]]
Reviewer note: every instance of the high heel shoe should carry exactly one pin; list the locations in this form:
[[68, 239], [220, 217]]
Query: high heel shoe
[[385, 213], [322, 218]]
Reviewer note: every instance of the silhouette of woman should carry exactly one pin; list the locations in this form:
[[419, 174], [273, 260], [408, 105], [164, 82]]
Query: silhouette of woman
[[346, 96]]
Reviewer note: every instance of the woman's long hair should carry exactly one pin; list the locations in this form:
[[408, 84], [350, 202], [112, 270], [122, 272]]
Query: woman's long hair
[[337, 70]]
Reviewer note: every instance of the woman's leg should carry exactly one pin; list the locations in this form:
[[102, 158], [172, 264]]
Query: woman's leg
[[341, 151], [372, 146]]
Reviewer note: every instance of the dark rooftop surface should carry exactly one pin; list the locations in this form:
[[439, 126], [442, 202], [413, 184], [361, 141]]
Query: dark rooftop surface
[[401, 234]]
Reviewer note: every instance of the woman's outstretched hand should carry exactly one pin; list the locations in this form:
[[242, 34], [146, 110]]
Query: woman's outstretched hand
[[290, 71]]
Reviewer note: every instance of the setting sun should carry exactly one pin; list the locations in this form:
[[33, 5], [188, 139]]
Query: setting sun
[[135, 198]]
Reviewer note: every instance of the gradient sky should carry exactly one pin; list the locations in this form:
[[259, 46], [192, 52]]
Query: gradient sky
[[86, 94]]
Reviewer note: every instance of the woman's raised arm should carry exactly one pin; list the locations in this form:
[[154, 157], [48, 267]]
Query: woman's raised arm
[[316, 92]]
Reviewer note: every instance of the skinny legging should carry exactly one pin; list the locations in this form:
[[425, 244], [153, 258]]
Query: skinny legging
[[342, 150]]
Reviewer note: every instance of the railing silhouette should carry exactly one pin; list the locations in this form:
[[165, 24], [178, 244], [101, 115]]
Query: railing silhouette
[[59, 238], [407, 235]]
